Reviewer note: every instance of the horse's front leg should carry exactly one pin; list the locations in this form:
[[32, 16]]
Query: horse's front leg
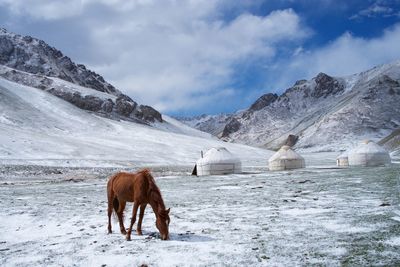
[[141, 214], [109, 213], [134, 212]]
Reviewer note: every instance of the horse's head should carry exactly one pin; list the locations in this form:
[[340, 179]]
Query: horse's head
[[162, 223]]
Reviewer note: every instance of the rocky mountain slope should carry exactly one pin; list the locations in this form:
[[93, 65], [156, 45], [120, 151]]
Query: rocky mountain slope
[[327, 113], [34, 63], [39, 128]]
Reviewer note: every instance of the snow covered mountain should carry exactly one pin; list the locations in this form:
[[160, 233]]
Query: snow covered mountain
[[34, 63], [327, 113], [39, 128], [213, 124]]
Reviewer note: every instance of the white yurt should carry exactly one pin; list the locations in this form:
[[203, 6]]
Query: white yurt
[[368, 153], [217, 161], [285, 159], [342, 160]]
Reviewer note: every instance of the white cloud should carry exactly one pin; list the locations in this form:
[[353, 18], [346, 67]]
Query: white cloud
[[44, 9], [379, 8], [346, 55], [166, 55], [163, 53], [61, 9]]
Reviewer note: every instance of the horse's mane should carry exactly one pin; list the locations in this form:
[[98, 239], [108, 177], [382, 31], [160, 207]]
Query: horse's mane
[[154, 192]]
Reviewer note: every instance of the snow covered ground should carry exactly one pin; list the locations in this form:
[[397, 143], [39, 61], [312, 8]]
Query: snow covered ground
[[56, 216]]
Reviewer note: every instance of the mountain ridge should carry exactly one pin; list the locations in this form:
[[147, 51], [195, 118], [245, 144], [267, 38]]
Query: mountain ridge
[[327, 113], [32, 62]]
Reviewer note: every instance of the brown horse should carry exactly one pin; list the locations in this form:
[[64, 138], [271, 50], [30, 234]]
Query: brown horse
[[141, 189]]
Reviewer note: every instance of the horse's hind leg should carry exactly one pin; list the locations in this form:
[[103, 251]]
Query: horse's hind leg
[[141, 214], [133, 219], [120, 214], [110, 209]]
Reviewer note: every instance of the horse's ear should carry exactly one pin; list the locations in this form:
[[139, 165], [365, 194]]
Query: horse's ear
[[168, 210]]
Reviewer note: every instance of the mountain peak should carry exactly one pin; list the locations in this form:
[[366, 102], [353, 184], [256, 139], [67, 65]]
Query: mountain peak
[[35, 56], [300, 82], [322, 75], [326, 85], [32, 62]]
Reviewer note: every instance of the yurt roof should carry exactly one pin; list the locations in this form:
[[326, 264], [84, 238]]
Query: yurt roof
[[285, 152], [343, 155], [368, 147], [219, 154]]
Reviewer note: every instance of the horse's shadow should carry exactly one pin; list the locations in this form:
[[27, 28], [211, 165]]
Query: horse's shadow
[[183, 237]]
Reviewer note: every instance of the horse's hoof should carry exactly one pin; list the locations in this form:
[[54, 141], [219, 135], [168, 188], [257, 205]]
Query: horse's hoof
[[139, 232], [123, 232], [128, 238], [109, 232]]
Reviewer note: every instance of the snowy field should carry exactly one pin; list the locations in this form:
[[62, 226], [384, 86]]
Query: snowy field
[[56, 216]]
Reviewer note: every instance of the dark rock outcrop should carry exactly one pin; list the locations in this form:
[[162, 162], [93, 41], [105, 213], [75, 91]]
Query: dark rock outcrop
[[87, 102], [107, 106], [232, 126], [148, 113], [326, 85], [263, 101], [125, 105], [291, 140]]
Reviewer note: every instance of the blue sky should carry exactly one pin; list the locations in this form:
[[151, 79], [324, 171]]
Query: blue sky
[[194, 57]]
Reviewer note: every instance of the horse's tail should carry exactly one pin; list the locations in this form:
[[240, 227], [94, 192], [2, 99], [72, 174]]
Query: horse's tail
[[111, 197], [115, 205]]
